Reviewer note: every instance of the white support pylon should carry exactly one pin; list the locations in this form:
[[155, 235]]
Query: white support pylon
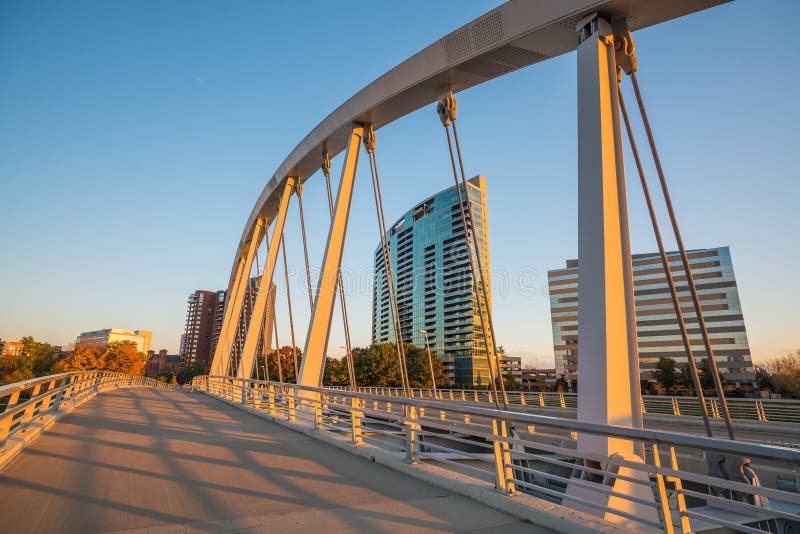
[[248, 356], [606, 316], [233, 302], [319, 326]]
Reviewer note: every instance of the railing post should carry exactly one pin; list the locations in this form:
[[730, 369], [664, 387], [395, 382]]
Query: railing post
[[412, 427], [271, 399], [561, 400], [522, 399], [663, 499], [292, 405], [28, 414], [541, 399], [5, 423], [676, 408], [686, 526], [355, 422], [317, 401], [502, 458]]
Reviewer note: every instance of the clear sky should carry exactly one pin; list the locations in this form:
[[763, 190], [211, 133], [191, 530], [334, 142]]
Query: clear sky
[[135, 137]]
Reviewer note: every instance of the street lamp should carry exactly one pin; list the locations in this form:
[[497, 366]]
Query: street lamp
[[430, 361]]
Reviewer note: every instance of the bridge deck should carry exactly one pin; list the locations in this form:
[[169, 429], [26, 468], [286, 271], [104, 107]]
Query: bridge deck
[[165, 461]]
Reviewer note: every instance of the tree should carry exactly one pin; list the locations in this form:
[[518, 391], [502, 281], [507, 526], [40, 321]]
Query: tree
[[707, 376], [35, 359], [124, 357], [510, 381], [419, 370], [336, 372], [377, 366], [664, 373], [189, 372], [118, 356], [782, 374], [286, 370]]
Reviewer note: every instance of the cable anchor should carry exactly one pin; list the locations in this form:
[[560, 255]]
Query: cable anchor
[[446, 108], [624, 47], [369, 139], [326, 164]]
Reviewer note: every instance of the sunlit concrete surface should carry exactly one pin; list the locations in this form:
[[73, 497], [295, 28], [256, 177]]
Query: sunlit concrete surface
[[174, 461]]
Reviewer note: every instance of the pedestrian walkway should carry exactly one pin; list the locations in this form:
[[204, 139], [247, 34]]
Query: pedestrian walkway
[[174, 461]]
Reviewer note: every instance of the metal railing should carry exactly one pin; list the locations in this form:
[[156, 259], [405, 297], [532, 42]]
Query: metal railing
[[518, 452], [24, 403], [743, 409]]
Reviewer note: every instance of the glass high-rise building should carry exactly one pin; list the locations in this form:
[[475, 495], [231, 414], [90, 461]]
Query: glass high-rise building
[[656, 324], [430, 264]]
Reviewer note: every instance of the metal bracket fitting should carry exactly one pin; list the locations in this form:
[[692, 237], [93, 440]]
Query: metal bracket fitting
[[446, 108], [624, 47], [369, 139], [326, 164]]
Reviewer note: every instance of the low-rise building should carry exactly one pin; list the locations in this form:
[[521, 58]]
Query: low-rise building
[[101, 338], [160, 362], [10, 348]]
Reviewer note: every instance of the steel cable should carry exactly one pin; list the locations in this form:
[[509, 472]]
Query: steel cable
[[369, 143], [289, 303], [684, 258], [665, 263]]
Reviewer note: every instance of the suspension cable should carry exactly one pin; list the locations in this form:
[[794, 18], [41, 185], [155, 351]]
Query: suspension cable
[[265, 337], [277, 350], [351, 372], [298, 188], [369, 144], [626, 51], [447, 113], [687, 345], [289, 302], [685, 260], [255, 360]]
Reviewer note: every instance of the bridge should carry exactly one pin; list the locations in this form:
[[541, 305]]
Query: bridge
[[100, 451]]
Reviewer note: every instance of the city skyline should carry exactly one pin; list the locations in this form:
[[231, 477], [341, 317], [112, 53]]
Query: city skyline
[[103, 222]]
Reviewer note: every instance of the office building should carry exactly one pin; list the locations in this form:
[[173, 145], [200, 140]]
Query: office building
[[657, 327], [101, 338], [434, 287]]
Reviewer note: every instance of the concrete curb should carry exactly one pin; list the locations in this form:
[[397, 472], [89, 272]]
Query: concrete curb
[[525, 507]]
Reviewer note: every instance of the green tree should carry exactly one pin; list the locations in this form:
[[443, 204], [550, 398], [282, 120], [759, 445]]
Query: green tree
[[189, 372], [285, 356], [664, 373], [336, 372], [510, 381], [377, 366], [419, 369], [35, 359], [707, 376]]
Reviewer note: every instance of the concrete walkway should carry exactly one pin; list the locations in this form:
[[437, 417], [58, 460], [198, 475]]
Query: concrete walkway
[[175, 461]]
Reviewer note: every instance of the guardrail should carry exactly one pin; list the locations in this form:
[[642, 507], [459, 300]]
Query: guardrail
[[745, 409], [23, 404], [517, 452]]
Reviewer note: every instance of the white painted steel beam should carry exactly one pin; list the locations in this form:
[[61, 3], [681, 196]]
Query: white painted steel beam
[[248, 356], [234, 299], [319, 327]]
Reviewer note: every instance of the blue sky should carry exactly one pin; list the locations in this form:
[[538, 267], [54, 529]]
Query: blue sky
[[135, 137]]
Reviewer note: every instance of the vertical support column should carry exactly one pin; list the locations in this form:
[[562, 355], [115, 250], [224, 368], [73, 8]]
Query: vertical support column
[[264, 285], [605, 296], [319, 326], [603, 365], [233, 303]]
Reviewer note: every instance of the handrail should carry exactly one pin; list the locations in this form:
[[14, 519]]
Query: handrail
[[742, 409], [24, 403], [536, 454]]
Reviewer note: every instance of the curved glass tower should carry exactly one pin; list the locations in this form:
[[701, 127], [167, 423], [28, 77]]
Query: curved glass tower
[[430, 265]]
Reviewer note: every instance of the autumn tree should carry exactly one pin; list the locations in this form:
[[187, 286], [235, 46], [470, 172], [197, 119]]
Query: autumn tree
[[118, 356], [781, 374], [35, 359]]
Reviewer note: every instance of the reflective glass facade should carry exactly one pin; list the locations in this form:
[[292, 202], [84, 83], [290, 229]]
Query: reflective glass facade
[[656, 323], [430, 265]]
